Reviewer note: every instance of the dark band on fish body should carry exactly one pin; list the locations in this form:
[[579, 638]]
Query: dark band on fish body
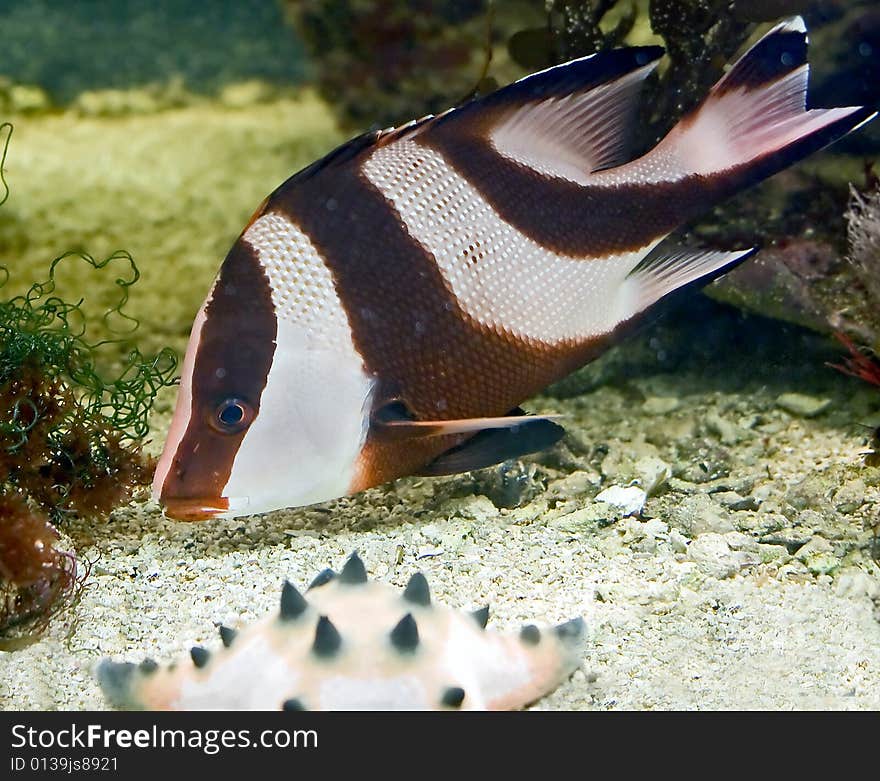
[[568, 218], [238, 335], [406, 323], [595, 221]]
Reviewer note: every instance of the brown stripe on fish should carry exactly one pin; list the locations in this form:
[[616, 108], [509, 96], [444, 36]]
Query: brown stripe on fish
[[236, 346], [499, 277], [408, 325], [586, 221]]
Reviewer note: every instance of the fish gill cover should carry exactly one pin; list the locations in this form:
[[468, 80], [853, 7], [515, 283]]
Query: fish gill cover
[[73, 418]]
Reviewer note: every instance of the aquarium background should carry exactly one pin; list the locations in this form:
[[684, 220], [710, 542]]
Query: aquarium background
[[158, 129]]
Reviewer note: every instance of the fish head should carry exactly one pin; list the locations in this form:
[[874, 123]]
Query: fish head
[[271, 413]]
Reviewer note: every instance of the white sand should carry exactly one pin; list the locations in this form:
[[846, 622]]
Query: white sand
[[714, 619]]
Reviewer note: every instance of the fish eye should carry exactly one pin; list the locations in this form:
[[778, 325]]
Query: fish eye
[[231, 416]]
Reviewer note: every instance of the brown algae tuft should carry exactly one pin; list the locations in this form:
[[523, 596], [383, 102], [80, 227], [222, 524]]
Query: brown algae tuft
[[73, 417], [36, 579]]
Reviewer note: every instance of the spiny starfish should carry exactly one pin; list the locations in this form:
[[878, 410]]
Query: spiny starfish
[[354, 644]]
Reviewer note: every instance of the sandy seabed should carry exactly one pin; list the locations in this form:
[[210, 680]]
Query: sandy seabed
[[734, 592]]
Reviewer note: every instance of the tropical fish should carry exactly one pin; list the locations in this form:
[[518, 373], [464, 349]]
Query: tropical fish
[[350, 644], [387, 309]]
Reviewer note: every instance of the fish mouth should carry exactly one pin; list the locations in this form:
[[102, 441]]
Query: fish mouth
[[202, 508]]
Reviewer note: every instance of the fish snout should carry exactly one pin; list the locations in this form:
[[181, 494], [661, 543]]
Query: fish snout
[[192, 509], [202, 508]]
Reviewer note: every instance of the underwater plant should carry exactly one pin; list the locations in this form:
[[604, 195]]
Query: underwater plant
[[860, 363], [36, 579], [699, 36], [72, 422], [571, 28], [863, 235]]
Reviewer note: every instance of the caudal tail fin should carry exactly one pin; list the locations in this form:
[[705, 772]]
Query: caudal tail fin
[[755, 122]]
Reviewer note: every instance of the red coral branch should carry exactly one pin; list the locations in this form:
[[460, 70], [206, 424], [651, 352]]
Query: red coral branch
[[860, 364]]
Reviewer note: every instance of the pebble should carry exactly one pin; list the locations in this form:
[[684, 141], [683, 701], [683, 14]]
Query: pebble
[[630, 500], [818, 556], [850, 496], [699, 514], [713, 556], [858, 585], [790, 537], [661, 405], [678, 541], [587, 518], [574, 486], [656, 529], [734, 501], [652, 473], [802, 405], [729, 433]]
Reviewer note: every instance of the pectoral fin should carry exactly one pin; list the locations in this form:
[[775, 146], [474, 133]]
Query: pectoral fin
[[393, 421], [494, 445]]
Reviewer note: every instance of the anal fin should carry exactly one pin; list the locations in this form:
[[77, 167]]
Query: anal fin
[[493, 445], [671, 268]]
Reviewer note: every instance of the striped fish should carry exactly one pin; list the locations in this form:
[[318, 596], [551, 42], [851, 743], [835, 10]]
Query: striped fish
[[388, 308]]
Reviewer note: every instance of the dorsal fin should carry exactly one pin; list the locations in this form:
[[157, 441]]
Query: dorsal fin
[[575, 134], [348, 151], [573, 115], [569, 120]]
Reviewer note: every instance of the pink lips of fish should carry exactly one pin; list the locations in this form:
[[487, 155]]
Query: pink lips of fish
[[388, 308]]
